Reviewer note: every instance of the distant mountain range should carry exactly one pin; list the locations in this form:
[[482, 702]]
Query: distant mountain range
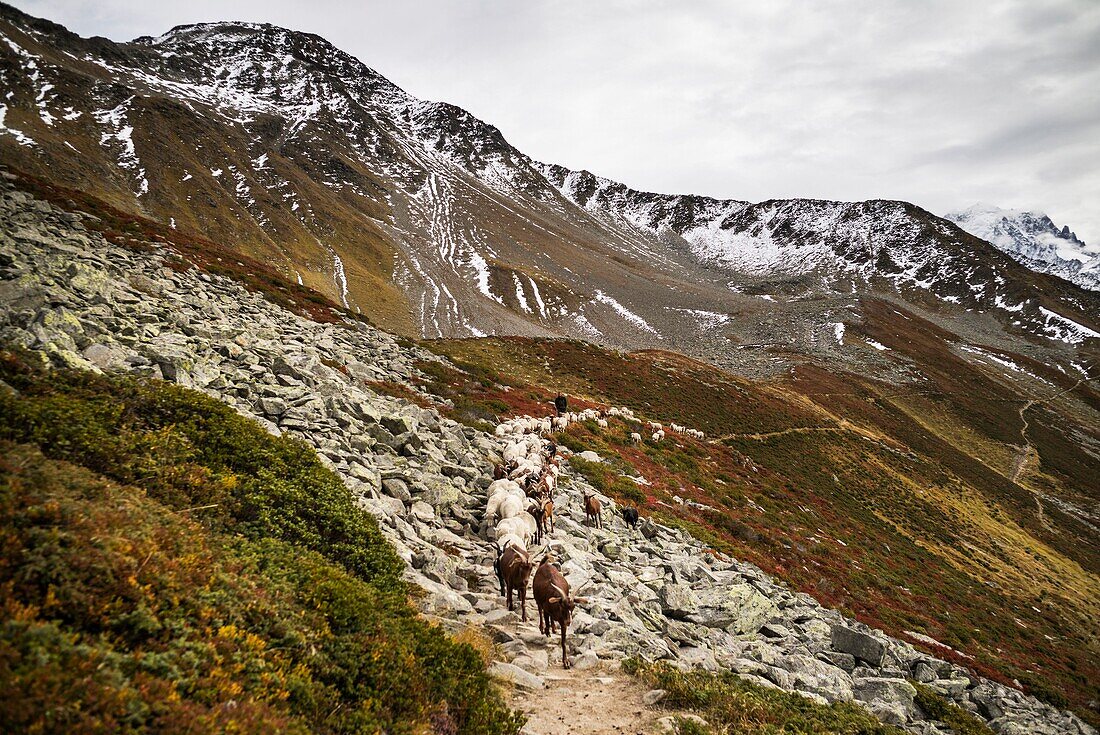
[[1034, 240], [425, 218]]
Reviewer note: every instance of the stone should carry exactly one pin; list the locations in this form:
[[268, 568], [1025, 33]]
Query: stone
[[863, 646], [397, 424], [395, 487], [678, 601], [585, 660], [844, 661], [105, 357], [516, 676], [423, 511], [442, 495], [737, 608], [924, 673], [653, 696], [888, 696]]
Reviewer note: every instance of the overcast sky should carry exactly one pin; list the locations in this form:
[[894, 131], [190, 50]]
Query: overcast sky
[[940, 102]]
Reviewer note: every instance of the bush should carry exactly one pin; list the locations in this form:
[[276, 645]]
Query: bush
[[937, 707], [168, 565]]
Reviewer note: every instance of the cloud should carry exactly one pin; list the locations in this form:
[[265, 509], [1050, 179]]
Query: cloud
[[939, 102]]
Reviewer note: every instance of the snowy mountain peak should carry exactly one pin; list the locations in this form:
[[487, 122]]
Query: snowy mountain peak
[[1034, 240]]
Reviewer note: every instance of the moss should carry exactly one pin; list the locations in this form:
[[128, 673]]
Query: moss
[[936, 707]]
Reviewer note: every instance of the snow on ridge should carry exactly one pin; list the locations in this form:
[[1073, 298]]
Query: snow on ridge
[[625, 313], [838, 332], [538, 297], [481, 269], [1032, 239], [520, 296], [1065, 329], [20, 137], [705, 319]]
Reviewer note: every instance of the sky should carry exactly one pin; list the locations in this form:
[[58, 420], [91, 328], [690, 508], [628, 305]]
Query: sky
[[943, 103]]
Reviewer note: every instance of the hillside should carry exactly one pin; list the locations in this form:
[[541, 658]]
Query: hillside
[[400, 427]]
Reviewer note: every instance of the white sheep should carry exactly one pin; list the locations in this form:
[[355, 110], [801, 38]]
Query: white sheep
[[515, 526], [635, 437], [498, 491], [655, 426], [602, 423], [658, 435], [510, 507]]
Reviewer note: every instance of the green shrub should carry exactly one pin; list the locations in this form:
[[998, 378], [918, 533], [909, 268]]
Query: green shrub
[[936, 707], [168, 565]]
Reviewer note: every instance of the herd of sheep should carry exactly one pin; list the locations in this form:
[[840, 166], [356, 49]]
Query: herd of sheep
[[520, 507]]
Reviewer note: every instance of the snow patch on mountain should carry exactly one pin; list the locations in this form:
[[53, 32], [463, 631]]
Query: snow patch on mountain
[[625, 313], [119, 135], [1034, 240]]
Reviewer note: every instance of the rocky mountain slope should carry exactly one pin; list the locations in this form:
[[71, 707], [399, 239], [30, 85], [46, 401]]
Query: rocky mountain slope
[[1035, 241], [84, 301], [425, 217]]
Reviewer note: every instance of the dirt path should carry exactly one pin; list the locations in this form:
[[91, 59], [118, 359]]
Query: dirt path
[[592, 702], [1025, 451], [784, 432]]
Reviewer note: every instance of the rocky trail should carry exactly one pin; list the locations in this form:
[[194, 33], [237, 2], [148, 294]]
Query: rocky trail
[[656, 593]]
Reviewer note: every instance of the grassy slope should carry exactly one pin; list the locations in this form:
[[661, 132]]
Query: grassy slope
[[837, 485], [168, 565], [731, 704]]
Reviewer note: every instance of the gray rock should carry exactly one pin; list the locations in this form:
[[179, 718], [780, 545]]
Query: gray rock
[[585, 660], [924, 673], [890, 699], [395, 487], [653, 696], [678, 601], [516, 676], [865, 647], [423, 511], [738, 608]]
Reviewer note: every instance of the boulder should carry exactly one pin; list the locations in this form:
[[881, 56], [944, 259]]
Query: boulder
[[863, 646], [678, 601], [516, 676], [887, 695], [737, 608], [395, 487]]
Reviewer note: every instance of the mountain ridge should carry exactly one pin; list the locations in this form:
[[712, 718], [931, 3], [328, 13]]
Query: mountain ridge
[[424, 216], [1034, 240]]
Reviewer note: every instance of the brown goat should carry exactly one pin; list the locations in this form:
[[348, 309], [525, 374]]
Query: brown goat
[[515, 569], [592, 511], [499, 472], [554, 602], [535, 509]]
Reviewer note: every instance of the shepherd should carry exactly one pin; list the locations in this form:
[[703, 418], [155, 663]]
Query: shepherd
[[561, 404]]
